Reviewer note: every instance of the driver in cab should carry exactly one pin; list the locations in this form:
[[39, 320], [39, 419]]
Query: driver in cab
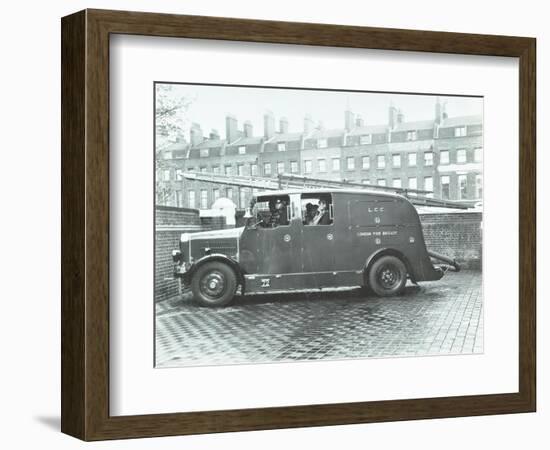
[[278, 214]]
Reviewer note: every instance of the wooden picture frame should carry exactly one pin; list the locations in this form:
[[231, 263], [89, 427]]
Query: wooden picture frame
[[85, 224]]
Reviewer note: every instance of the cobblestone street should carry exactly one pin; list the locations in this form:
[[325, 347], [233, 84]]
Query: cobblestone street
[[441, 317]]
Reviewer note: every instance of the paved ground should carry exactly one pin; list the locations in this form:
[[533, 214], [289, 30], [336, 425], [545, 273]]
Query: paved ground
[[442, 317]]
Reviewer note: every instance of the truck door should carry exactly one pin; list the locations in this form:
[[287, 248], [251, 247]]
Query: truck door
[[271, 246], [317, 252]]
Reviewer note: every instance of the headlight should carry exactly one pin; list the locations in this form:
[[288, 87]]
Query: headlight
[[176, 256]]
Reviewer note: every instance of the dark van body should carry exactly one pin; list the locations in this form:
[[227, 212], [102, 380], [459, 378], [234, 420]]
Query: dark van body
[[311, 239]]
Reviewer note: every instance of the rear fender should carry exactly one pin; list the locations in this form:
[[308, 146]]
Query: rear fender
[[383, 252]]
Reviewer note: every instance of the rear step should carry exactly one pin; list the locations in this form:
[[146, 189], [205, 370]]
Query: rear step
[[451, 263]]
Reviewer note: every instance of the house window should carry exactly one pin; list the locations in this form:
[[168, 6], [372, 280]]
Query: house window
[[254, 170], [322, 143], [240, 169], [428, 158], [461, 155], [204, 153], [445, 187], [242, 150], [429, 185], [335, 163], [413, 183], [281, 146], [179, 199], [365, 181], [381, 182], [411, 135], [228, 170], [350, 163], [204, 199], [365, 139], [365, 162], [396, 160], [179, 174], [412, 159], [444, 157], [478, 154], [216, 169], [229, 193], [307, 166], [216, 193], [479, 186], [281, 167], [293, 166], [190, 169], [204, 169], [267, 168], [191, 195], [396, 182], [462, 187], [322, 165], [166, 174], [242, 198], [460, 131], [380, 161]]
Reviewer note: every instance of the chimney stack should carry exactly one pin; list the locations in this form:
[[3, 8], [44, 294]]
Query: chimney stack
[[392, 116], [283, 125], [231, 132], [308, 124], [348, 119], [439, 111], [359, 121], [214, 135], [196, 134], [269, 125], [400, 117], [248, 129]]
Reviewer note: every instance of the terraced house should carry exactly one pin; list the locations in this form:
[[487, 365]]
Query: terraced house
[[440, 154]]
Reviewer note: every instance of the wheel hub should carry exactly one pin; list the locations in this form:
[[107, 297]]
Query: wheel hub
[[213, 284], [388, 277]]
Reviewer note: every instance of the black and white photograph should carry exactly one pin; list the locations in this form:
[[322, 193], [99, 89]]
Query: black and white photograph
[[296, 224]]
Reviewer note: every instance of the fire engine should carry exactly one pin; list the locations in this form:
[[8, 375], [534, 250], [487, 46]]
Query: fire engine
[[303, 238]]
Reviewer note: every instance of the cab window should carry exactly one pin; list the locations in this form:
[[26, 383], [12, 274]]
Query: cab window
[[272, 211], [317, 210]]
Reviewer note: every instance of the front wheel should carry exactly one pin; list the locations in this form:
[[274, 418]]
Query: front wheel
[[214, 284], [388, 276]]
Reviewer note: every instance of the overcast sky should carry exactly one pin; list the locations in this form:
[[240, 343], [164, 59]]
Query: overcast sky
[[212, 103]]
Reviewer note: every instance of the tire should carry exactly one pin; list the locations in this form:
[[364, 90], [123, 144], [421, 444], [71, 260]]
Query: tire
[[214, 284], [388, 276]]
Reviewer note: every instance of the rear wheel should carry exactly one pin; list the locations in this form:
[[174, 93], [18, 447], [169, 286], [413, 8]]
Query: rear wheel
[[214, 284], [388, 276]]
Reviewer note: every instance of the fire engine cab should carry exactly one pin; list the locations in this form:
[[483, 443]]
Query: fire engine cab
[[303, 239]]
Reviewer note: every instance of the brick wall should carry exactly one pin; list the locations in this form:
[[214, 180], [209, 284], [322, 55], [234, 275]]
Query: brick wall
[[457, 235], [170, 222]]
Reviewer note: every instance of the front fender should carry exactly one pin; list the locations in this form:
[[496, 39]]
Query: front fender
[[234, 264]]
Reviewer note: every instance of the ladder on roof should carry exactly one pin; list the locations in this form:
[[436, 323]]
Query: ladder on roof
[[286, 180], [417, 197]]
